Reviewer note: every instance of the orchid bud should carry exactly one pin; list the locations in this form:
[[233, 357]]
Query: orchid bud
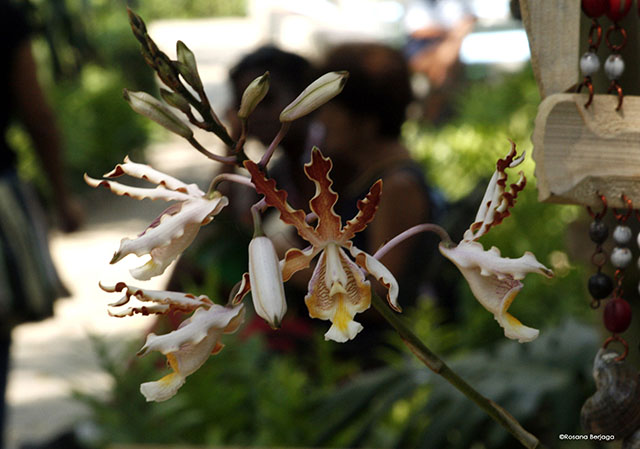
[[315, 95], [253, 94], [267, 289], [187, 65], [152, 108], [176, 100]]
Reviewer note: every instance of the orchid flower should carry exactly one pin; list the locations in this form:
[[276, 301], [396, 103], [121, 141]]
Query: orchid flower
[[188, 347], [176, 227], [495, 280], [338, 288]]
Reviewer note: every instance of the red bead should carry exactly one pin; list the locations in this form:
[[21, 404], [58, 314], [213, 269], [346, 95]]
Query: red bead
[[617, 315], [595, 8], [617, 9]]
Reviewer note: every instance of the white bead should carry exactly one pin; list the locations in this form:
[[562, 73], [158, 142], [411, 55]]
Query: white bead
[[589, 63], [614, 66], [621, 257], [622, 235]]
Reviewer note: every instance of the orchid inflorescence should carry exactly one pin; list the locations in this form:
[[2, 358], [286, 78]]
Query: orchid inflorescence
[[338, 289]]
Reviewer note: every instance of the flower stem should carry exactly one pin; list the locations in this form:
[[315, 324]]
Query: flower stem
[[425, 227], [210, 155], [257, 220], [272, 147], [233, 177], [435, 364]]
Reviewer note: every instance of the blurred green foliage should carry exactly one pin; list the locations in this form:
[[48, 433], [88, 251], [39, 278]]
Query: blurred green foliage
[[178, 9], [542, 384], [246, 395], [87, 55]]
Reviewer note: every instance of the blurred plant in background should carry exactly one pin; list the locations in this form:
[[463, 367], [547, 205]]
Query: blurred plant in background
[[84, 72], [251, 396], [543, 384]]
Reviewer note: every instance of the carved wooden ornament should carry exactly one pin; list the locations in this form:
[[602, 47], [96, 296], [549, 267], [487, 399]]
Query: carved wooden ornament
[[580, 152]]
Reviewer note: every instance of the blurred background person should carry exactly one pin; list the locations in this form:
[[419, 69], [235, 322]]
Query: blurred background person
[[290, 73], [29, 283], [362, 135]]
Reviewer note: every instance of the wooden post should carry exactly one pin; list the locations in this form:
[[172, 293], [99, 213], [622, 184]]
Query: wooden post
[[579, 152]]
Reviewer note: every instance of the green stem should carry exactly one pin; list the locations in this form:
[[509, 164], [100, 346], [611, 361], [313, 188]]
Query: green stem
[[435, 364], [257, 220]]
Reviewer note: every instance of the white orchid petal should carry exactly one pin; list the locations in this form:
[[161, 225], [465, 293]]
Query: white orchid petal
[[487, 199], [517, 161], [138, 193], [153, 309], [174, 230], [498, 199], [162, 300], [163, 389], [163, 256], [374, 267], [194, 329], [148, 173], [495, 281], [168, 236], [335, 333]]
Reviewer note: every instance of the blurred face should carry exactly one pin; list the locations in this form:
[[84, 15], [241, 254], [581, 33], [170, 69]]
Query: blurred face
[[343, 131]]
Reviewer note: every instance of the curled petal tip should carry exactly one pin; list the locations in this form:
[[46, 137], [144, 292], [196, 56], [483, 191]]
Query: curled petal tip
[[117, 256]]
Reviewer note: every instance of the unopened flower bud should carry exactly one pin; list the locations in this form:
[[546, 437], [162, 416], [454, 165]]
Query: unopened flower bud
[[176, 100], [253, 94], [267, 289], [152, 108], [187, 66], [315, 95]]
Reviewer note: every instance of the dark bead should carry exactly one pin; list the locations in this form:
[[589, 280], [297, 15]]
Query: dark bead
[[617, 9], [617, 315], [600, 285], [594, 8], [598, 231]]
